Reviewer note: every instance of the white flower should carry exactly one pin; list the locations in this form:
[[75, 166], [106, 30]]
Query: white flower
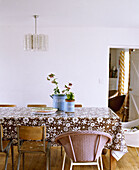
[[118, 135], [47, 135], [25, 120], [65, 129], [10, 122], [113, 128], [108, 121], [99, 129], [90, 128], [52, 139], [99, 119], [117, 146], [54, 134], [8, 136], [84, 122], [123, 142], [112, 135], [50, 119], [116, 140], [116, 124], [68, 124], [75, 119], [92, 124], [75, 129], [59, 122], [34, 122], [125, 150], [50, 130]]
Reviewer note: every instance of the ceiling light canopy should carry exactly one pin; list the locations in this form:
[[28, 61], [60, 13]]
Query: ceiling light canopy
[[35, 42]]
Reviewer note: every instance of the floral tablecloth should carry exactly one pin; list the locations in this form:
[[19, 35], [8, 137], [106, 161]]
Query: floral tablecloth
[[87, 118]]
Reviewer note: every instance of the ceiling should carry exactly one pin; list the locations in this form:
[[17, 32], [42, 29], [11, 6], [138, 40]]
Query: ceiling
[[74, 13]]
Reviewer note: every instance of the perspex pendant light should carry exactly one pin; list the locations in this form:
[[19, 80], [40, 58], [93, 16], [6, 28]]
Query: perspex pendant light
[[36, 42]]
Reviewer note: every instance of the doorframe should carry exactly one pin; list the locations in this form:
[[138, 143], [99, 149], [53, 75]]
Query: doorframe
[[108, 50]]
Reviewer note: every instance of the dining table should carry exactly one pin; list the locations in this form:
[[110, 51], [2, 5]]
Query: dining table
[[84, 118]]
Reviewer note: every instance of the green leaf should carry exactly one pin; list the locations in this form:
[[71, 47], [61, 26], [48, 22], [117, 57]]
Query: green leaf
[[70, 96]]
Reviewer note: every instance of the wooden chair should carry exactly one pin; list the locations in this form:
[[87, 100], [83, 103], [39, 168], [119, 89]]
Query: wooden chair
[[116, 103], [5, 147], [83, 147], [33, 140], [78, 105], [7, 105], [36, 105], [113, 93]]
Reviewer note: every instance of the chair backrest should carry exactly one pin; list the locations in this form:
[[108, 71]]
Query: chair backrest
[[7, 105], [36, 105], [116, 103], [31, 132], [1, 136], [83, 146], [78, 105], [113, 93]]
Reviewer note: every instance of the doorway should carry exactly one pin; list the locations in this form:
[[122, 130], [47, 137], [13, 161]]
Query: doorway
[[124, 79]]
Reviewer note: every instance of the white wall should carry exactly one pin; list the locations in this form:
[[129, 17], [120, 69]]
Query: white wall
[[113, 57], [78, 55]]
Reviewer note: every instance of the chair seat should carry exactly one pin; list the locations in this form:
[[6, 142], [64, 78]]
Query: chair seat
[[33, 146]]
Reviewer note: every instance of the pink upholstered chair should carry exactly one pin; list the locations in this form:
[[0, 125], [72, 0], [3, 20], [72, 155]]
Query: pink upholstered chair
[[83, 147]]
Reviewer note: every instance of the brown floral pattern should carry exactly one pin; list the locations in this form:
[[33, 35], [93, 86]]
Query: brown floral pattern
[[88, 118]]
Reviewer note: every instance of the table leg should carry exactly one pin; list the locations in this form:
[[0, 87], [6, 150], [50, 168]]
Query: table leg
[[112, 162]]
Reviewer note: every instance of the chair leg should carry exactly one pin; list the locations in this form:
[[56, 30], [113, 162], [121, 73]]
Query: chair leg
[[6, 160], [71, 165], [48, 156], [12, 153], [23, 160], [64, 161], [98, 164], [19, 157], [61, 150], [101, 163]]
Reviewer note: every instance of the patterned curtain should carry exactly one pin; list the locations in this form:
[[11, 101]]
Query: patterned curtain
[[121, 73]]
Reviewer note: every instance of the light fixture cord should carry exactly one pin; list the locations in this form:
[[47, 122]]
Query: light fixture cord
[[35, 16], [35, 25]]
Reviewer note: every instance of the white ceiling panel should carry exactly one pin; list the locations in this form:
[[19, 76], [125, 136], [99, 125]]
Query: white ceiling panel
[[96, 13]]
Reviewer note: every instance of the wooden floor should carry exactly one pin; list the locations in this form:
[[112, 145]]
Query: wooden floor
[[130, 161]]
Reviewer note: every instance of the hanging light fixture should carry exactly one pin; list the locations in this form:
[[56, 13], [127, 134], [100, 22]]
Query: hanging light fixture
[[36, 42]]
